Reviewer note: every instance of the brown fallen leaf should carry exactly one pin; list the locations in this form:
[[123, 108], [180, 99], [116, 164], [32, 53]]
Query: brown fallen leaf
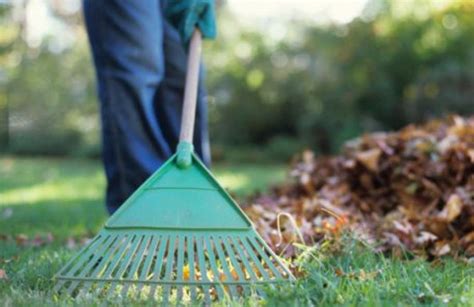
[[40, 240], [14, 258], [37, 241], [425, 237], [470, 250], [339, 272], [440, 249], [470, 153], [3, 275], [21, 239], [467, 239], [452, 209], [369, 158]]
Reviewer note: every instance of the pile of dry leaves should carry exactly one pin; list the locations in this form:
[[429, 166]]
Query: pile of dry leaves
[[412, 189]]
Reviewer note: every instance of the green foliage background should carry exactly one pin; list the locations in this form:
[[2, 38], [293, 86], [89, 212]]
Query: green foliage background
[[316, 86]]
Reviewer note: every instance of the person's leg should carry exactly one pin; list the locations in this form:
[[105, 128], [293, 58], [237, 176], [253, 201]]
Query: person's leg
[[140, 95], [169, 98], [127, 45]]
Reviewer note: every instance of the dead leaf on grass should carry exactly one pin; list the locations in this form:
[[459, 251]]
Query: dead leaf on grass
[[470, 153], [425, 237], [14, 258], [71, 243], [3, 275], [370, 158], [440, 249], [452, 209], [21, 239], [470, 251]]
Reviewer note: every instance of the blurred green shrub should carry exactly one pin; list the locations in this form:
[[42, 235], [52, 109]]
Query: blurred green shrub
[[52, 142], [279, 148], [283, 148]]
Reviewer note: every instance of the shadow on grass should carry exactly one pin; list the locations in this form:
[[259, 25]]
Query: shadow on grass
[[62, 219]]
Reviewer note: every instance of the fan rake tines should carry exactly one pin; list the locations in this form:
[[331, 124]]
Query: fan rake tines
[[172, 265]]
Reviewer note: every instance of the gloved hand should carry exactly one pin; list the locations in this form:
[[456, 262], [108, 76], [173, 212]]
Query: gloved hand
[[186, 15]]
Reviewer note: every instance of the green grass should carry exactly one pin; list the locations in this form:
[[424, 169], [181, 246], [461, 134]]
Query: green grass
[[351, 273], [64, 197]]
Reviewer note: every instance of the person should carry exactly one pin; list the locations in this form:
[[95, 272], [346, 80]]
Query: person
[[139, 51]]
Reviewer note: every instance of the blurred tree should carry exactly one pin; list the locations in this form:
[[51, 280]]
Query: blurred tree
[[6, 42], [49, 80], [393, 65], [316, 86]]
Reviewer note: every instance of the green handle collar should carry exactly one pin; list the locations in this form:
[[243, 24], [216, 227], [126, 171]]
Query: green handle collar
[[184, 154]]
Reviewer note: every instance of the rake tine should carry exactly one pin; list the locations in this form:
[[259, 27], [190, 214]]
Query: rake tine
[[158, 264], [243, 255], [120, 248], [275, 257], [89, 264], [127, 257], [225, 267], [179, 265], [234, 262], [104, 262], [91, 245], [221, 265], [203, 269], [264, 256], [212, 260], [84, 257], [244, 259], [149, 258], [136, 263], [169, 268], [60, 282], [190, 243], [255, 259]]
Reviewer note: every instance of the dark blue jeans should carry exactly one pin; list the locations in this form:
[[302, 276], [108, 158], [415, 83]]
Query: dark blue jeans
[[140, 64]]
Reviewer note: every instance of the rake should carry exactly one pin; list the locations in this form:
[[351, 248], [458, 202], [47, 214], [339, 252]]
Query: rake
[[180, 237]]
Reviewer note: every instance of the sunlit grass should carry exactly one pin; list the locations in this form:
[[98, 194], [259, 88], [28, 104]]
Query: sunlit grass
[[86, 188], [62, 182], [236, 181], [245, 179]]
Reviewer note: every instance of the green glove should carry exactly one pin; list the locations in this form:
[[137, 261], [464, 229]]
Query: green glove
[[186, 15]]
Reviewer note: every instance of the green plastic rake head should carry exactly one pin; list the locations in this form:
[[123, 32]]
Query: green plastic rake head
[[179, 237]]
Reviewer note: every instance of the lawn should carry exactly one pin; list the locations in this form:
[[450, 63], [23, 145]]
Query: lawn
[[49, 206]]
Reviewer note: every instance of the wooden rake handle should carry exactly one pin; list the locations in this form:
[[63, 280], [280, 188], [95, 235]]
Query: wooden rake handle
[[191, 88]]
